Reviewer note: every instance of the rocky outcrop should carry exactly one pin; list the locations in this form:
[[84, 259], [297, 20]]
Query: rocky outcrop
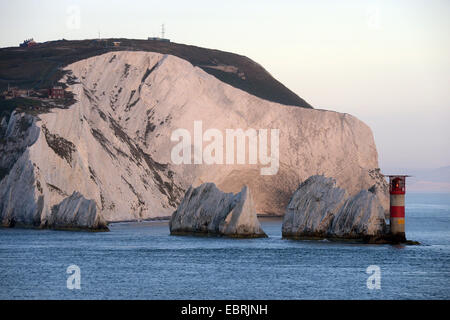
[[360, 216], [320, 209], [16, 135], [312, 208], [76, 212], [113, 145], [209, 211]]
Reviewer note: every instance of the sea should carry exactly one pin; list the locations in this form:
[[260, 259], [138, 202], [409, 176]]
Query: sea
[[143, 261]]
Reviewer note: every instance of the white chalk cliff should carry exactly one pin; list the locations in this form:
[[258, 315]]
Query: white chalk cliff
[[113, 145], [320, 209], [207, 210]]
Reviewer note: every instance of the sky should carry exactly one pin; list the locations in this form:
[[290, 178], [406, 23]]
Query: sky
[[386, 62]]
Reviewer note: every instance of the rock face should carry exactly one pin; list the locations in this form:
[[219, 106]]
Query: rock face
[[312, 208], [234, 69], [361, 216], [207, 210], [320, 209], [113, 145], [75, 212], [16, 135]]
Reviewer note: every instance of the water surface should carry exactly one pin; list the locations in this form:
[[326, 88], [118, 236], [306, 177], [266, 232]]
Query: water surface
[[142, 261]]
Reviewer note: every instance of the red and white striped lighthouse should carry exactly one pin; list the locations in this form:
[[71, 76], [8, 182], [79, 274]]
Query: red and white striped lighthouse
[[397, 190]]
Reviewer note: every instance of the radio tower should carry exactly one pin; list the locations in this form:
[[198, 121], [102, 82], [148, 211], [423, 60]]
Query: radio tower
[[162, 31]]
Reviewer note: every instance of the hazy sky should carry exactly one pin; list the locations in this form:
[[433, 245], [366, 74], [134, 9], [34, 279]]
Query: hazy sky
[[386, 62]]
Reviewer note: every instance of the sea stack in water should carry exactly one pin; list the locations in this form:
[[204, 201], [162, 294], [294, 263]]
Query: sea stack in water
[[207, 210], [320, 209], [361, 216], [312, 208], [76, 212]]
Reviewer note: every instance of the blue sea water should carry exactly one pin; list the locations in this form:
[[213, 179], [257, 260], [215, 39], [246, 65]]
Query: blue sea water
[[142, 261]]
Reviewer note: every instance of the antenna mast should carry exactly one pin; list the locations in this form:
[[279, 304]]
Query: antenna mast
[[162, 31]]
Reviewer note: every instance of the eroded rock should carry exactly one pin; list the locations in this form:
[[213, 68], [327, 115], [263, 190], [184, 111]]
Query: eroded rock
[[312, 208], [209, 211], [76, 212], [319, 208], [360, 216]]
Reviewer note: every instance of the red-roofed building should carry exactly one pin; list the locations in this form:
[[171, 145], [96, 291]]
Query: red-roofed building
[[56, 93], [28, 43]]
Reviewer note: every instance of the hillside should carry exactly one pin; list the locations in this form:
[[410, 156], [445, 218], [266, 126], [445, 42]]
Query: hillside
[[114, 145], [39, 66]]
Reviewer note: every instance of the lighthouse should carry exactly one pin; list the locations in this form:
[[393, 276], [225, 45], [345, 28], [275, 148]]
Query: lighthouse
[[397, 190]]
